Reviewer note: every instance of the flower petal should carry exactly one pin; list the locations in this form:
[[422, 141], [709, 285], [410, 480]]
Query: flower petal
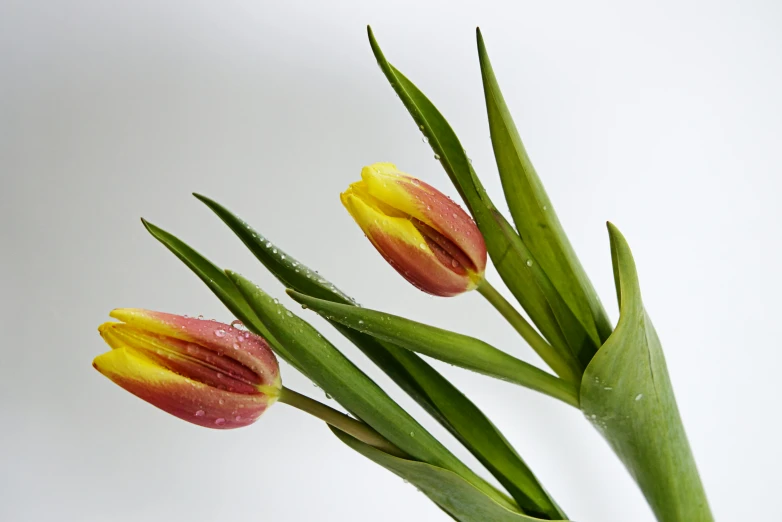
[[248, 349], [416, 198], [415, 257], [185, 398]]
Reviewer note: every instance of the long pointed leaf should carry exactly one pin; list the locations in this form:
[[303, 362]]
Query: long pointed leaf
[[455, 495], [514, 261], [424, 384], [339, 377], [219, 284], [460, 350], [534, 215], [627, 395]]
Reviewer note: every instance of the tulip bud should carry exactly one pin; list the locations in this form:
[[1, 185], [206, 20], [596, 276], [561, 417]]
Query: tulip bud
[[420, 231], [202, 371]]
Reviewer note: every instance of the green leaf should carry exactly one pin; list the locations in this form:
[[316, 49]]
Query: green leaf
[[288, 270], [220, 285], [451, 492], [441, 399], [535, 218], [348, 385], [460, 350], [626, 393], [515, 263]]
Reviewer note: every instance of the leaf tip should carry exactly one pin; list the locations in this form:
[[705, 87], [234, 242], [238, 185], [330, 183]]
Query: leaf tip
[[613, 231], [149, 226]]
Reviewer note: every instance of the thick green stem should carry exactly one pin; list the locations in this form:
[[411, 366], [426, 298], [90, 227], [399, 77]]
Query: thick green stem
[[339, 420], [565, 367]]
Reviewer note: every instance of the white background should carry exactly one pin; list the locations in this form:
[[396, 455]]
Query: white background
[[665, 119]]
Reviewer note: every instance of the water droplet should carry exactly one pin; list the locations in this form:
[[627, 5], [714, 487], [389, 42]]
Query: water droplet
[[423, 246], [220, 421], [594, 415], [282, 256], [469, 160], [288, 313], [454, 263], [268, 244], [424, 139], [454, 215], [238, 418], [221, 401], [274, 251], [237, 324], [412, 434], [608, 388], [545, 207], [200, 413], [220, 375], [437, 156], [529, 262], [200, 317], [276, 301], [220, 333], [360, 321], [421, 127], [236, 346], [639, 396]]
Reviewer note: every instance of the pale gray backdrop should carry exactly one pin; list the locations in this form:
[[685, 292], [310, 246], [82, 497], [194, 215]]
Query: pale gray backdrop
[[665, 119]]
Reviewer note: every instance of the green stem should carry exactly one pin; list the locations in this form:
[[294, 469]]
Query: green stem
[[564, 367], [339, 420]]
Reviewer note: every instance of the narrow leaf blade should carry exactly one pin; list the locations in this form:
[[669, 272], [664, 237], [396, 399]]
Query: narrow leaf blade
[[451, 492], [460, 350], [535, 217], [219, 284]]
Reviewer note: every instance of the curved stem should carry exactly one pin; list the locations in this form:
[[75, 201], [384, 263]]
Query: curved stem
[[339, 420], [566, 368]]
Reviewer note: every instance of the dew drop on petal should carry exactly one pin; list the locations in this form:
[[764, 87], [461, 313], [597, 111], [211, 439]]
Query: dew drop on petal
[[199, 413], [236, 346], [238, 418], [220, 421], [423, 246], [220, 333]]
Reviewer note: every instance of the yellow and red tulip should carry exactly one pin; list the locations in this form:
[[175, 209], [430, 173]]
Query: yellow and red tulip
[[202, 371], [420, 231]]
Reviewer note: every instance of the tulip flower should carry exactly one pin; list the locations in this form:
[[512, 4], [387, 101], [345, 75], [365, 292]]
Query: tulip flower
[[202, 371], [420, 231]]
